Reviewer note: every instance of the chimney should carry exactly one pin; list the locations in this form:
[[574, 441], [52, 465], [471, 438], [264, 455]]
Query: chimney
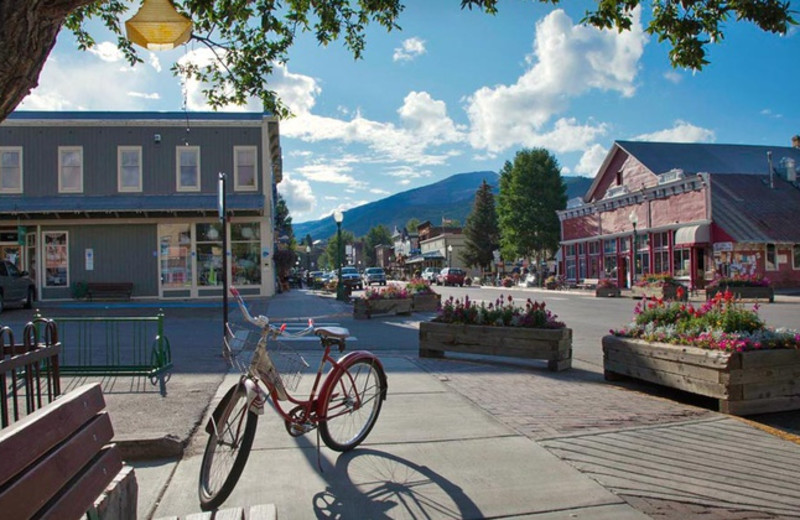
[[796, 141]]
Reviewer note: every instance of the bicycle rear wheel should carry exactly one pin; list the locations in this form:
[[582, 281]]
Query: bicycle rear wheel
[[353, 404], [228, 447]]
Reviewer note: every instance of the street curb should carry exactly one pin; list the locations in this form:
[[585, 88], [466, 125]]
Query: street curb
[[159, 446]]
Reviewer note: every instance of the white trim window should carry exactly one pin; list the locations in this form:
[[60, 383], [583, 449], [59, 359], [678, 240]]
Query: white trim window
[[129, 168], [70, 169], [771, 258], [245, 176], [11, 169], [187, 160]]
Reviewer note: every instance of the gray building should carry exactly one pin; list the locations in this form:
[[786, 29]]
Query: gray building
[[133, 197]]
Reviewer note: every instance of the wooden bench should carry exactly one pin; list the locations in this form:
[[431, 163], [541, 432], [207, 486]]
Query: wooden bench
[[109, 290], [588, 283], [58, 463]]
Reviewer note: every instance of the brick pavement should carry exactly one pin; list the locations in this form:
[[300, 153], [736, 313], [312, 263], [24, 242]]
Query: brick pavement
[[561, 409]]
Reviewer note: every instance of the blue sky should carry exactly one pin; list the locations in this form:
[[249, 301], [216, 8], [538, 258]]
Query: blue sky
[[457, 91]]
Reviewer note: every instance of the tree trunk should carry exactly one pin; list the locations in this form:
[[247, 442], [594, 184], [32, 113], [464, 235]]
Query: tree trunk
[[28, 30]]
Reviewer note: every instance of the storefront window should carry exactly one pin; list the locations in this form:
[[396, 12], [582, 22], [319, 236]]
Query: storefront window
[[796, 256], [56, 255], [209, 254], [176, 261], [682, 262], [771, 264], [245, 251]]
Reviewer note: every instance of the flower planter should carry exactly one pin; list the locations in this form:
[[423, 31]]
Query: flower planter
[[744, 383], [426, 302], [552, 345], [744, 292], [664, 292], [607, 292], [365, 309]]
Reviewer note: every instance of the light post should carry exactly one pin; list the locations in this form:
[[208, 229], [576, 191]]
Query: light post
[[338, 217], [308, 257], [634, 220], [450, 255]]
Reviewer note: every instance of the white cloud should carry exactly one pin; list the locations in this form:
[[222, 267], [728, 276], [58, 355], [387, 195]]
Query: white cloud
[[591, 160], [410, 49], [144, 95], [673, 76], [567, 61], [379, 191], [107, 52], [681, 132], [769, 113], [298, 194], [154, 62]]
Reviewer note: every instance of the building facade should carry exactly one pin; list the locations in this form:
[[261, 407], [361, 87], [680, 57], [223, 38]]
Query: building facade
[[694, 211], [135, 197]]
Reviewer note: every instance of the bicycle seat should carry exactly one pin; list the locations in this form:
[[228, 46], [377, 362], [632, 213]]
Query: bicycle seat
[[332, 332]]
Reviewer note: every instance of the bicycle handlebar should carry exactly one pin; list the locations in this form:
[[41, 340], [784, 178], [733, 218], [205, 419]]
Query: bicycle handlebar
[[262, 322]]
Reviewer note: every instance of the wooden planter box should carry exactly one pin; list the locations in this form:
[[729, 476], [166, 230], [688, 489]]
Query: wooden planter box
[[365, 309], [666, 292], [744, 383], [426, 302], [552, 345], [607, 292], [744, 293]]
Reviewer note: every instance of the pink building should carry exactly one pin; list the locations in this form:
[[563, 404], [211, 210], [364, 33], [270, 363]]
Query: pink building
[[691, 210]]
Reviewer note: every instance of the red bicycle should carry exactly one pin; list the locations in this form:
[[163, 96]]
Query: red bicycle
[[344, 405]]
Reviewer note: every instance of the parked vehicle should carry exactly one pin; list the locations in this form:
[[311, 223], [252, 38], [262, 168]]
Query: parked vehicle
[[374, 275], [429, 274], [351, 278], [451, 276], [15, 286], [529, 281]]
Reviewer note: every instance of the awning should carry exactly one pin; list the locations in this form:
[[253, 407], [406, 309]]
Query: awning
[[698, 234]]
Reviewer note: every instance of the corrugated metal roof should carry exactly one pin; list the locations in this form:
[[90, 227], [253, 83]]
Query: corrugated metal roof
[[166, 203], [750, 211], [694, 158]]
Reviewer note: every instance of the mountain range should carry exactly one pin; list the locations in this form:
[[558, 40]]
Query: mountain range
[[451, 198]]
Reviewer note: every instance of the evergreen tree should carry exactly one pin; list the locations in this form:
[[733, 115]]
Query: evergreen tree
[[377, 235], [481, 231], [531, 191], [283, 224], [412, 224]]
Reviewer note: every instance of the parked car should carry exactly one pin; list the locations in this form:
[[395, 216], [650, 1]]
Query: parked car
[[529, 281], [451, 276], [374, 275], [15, 286], [429, 274], [351, 278]]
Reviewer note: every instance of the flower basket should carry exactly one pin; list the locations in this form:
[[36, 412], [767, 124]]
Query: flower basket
[[366, 309], [744, 383], [426, 302], [666, 291], [751, 293], [607, 291]]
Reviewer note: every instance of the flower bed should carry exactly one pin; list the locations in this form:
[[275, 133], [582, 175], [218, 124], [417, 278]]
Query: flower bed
[[500, 329], [745, 287], [720, 350], [606, 288], [388, 300], [424, 298], [658, 286]]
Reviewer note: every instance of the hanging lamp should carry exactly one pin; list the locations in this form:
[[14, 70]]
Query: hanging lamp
[[158, 26]]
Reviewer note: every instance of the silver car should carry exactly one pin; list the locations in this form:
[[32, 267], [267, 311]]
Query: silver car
[[374, 275], [15, 286]]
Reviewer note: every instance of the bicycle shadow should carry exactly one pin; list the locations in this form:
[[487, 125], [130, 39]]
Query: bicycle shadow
[[370, 483]]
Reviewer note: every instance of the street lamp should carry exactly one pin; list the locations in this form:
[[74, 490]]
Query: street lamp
[[308, 257], [634, 220], [450, 255], [338, 217]]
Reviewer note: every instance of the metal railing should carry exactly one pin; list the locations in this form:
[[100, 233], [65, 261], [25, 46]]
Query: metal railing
[[29, 373]]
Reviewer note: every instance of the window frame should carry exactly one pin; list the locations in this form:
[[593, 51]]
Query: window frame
[[61, 188], [237, 186], [47, 260], [775, 265], [120, 151], [179, 186], [18, 151]]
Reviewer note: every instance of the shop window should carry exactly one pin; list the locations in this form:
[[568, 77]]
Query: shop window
[[175, 243], [244, 167], [570, 268], [796, 256], [610, 246], [624, 245], [771, 258], [188, 164], [129, 168], [70, 169], [56, 258], [246, 253], [10, 170], [209, 254], [682, 263]]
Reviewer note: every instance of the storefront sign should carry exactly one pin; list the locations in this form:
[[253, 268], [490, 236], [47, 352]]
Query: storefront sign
[[723, 246], [89, 259]]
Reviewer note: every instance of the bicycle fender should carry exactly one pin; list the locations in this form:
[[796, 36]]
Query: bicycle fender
[[345, 361], [220, 408]]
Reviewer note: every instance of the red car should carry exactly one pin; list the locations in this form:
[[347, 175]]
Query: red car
[[451, 276]]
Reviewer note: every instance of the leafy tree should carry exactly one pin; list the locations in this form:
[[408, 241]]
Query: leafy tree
[[283, 225], [377, 235], [248, 38], [531, 191], [330, 252], [481, 231], [308, 241], [412, 225]]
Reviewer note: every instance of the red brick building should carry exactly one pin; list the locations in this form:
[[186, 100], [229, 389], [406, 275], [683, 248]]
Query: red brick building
[[691, 210]]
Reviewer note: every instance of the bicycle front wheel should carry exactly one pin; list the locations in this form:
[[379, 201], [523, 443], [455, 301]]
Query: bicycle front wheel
[[353, 404], [227, 450]]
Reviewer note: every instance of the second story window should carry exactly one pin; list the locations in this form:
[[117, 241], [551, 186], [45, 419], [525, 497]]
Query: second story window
[[10, 170], [129, 168], [244, 166], [70, 169], [188, 161]]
